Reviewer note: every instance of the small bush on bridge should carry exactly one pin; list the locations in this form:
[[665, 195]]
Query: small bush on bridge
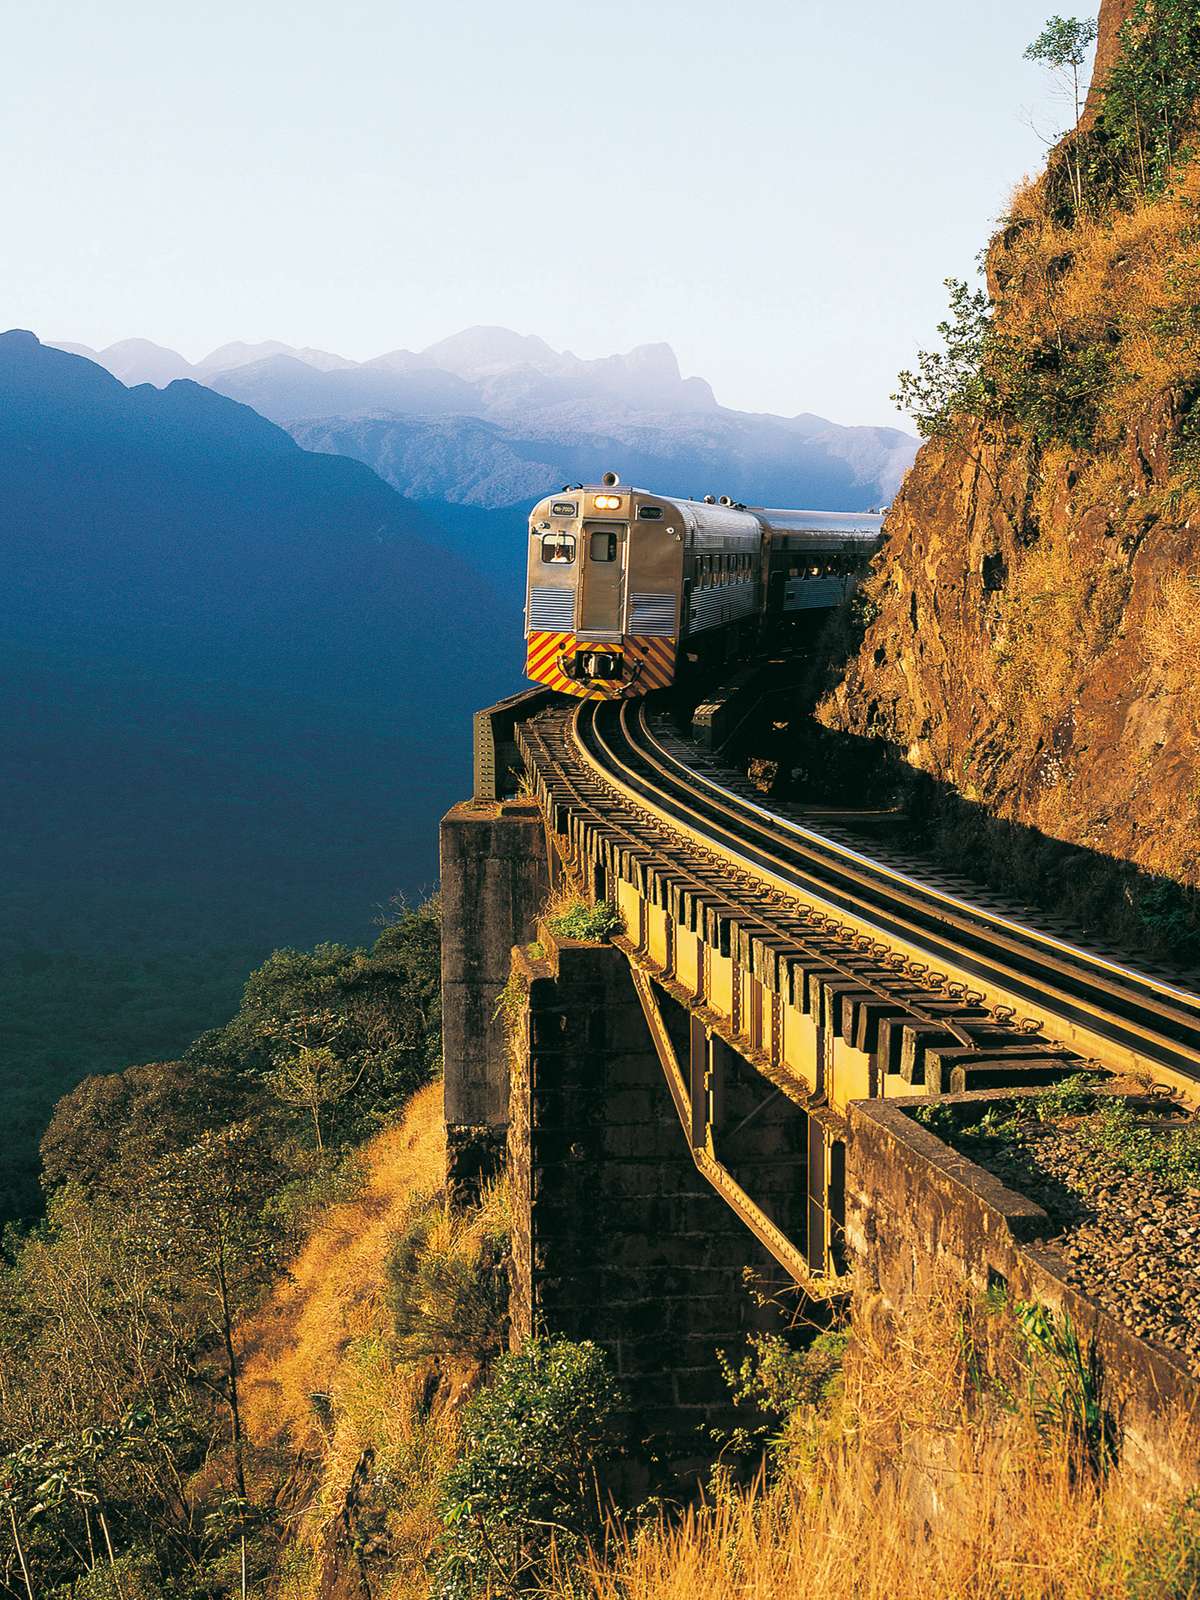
[[582, 921]]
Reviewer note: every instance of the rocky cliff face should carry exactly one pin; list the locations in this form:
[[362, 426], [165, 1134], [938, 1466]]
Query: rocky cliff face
[[1035, 638], [1113, 14]]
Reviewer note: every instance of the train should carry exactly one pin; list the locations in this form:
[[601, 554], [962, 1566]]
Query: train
[[627, 590]]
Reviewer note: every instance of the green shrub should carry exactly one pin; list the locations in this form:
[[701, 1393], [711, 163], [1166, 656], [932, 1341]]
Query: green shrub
[[1170, 912], [1069, 1097], [1172, 1155], [1052, 390], [133, 1576], [527, 1488], [1063, 1384], [582, 921], [1164, 1562], [790, 1389], [1150, 98], [323, 1178]]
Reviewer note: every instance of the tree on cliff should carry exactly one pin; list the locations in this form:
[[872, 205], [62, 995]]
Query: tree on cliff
[[385, 1002], [1063, 46], [309, 1071]]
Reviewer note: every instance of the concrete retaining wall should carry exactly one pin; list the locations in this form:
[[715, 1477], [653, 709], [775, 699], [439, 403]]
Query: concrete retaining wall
[[915, 1209]]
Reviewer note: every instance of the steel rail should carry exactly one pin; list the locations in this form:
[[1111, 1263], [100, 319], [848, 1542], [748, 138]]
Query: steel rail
[[1153, 1021], [860, 967], [824, 842], [893, 989]]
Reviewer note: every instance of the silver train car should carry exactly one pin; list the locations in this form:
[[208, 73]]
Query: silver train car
[[625, 587]]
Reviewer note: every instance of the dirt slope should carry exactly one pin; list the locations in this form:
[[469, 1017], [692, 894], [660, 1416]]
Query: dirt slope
[[333, 1293]]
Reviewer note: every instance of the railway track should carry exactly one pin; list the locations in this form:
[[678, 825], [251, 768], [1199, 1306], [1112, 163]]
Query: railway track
[[1128, 1018]]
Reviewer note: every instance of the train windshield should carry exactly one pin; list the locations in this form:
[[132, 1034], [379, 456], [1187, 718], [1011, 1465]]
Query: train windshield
[[558, 549], [603, 545]]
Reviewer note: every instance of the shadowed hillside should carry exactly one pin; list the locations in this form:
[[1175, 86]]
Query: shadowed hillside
[[229, 672]]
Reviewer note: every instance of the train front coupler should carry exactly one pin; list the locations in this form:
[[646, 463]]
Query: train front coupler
[[591, 666]]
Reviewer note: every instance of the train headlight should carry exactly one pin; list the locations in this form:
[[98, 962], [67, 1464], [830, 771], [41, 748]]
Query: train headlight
[[608, 502]]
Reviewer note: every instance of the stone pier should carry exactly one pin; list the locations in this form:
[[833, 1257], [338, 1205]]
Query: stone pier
[[495, 880], [618, 1238]]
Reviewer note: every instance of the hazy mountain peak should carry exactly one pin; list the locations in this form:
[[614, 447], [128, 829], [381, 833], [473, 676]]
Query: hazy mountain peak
[[240, 354], [397, 361], [484, 349], [323, 360], [653, 360], [143, 361], [489, 416], [73, 349]]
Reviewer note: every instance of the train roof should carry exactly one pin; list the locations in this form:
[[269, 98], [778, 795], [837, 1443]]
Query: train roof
[[865, 524]]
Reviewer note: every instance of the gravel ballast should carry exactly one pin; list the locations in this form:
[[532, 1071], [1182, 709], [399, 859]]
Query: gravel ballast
[[1129, 1240]]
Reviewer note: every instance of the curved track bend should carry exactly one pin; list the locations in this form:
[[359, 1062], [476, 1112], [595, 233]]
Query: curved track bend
[[1127, 1018]]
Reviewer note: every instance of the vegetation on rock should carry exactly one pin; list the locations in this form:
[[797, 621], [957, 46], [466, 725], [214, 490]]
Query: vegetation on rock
[[579, 920], [1032, 641]]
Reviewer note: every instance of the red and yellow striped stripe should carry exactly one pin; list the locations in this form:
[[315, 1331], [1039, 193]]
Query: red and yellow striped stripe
[[649, 664]]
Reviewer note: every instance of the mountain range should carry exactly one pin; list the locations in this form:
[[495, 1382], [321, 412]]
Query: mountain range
[[491, 419], [236, 683]]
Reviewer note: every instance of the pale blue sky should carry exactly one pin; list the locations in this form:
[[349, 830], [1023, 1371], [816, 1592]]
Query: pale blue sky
[[776, 188]]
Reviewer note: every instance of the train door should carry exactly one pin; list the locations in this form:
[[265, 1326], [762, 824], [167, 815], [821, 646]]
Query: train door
[[602, 581]]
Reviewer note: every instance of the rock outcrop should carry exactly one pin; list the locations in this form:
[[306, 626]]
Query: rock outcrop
[[1035, 634]]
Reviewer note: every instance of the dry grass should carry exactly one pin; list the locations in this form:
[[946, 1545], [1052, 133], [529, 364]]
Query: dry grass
[[335, 1291], [1059, 610], [563, 897], [448, 1296], [848, 1539], [396, 1421], [370, 1411], [1129, 282], [918, 1486], [1172, 633]]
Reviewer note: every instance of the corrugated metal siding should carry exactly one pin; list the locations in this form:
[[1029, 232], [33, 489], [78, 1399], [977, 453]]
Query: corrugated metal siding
[[551, 610], [712, 607], [814, 594], [653, 616]]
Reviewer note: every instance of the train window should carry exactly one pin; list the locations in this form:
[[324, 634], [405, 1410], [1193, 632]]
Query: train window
[[563, 508], [649, 513], [603, 546], [558, 549]]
